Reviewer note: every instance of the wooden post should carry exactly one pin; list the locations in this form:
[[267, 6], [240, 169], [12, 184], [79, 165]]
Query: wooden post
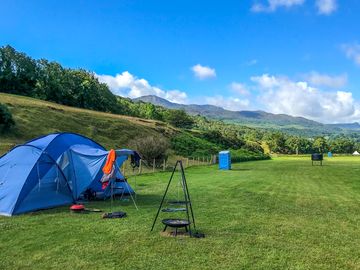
[[154, 165], [123, 169], [140, 166], [164, 165]]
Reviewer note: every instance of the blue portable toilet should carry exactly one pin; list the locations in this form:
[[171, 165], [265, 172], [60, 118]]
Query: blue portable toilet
[[330, 155], [224, 160]]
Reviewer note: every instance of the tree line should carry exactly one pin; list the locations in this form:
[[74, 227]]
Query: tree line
[[47, 80]]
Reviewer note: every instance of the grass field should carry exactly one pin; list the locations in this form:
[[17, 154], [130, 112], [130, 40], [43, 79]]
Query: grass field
[[35, 118], [276, 214]]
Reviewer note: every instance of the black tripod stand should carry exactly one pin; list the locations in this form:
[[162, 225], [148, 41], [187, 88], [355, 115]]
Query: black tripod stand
[[176, 222]]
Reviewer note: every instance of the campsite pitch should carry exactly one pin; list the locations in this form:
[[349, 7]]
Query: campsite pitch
[[276, 214]]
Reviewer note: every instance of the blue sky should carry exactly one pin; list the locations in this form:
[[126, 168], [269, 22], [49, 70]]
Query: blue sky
[[300, 57]]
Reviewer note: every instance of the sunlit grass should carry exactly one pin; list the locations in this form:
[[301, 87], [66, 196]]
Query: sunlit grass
[[277, 214]]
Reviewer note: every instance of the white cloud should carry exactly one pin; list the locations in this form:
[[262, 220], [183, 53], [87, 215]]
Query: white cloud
[[252, 62], [127, 85], [318, 79], [203, 72], [229, 103], [326, 7], [282, 95], [239, 88], [273, 5], [352, 51]]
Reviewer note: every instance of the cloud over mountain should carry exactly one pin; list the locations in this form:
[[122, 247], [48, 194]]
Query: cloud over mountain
[[297, 98], [128, 85]]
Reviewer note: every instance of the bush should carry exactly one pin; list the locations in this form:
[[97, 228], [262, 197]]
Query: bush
[[246, 155], [253, 147], [179, 119], [150, 148], [6, 119], [188, 145]]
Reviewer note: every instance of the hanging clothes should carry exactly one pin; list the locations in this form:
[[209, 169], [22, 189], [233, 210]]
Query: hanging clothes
[[109, 164]]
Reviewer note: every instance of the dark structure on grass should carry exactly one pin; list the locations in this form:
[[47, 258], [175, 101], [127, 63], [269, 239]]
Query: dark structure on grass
[[317, 158], [177, 206]]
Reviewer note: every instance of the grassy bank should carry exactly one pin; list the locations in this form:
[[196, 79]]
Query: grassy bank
[[35, 118]]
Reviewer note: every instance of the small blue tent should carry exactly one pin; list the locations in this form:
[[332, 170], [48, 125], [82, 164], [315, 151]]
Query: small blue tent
[[53, 170]]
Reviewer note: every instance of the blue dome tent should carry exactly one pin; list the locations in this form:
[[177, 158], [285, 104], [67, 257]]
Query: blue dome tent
[[53, 170]]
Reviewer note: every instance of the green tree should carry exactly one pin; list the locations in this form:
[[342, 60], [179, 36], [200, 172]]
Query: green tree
[[179, 118], [342, 145], [275, 141], [320, 145], [18, 72], [6, 119]]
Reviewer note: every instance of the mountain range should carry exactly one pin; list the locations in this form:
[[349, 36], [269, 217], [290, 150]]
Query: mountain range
[[260, 119]]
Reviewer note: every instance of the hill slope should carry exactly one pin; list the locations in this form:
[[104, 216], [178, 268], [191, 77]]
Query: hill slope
[[34, 117], [287, 123]]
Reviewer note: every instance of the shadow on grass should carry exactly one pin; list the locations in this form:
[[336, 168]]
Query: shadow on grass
[[141, 200]]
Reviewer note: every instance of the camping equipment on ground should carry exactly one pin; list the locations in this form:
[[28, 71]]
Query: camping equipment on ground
[[77, 208], [356, 153], [54, 170], [317, 158], [330, 155], [224, 160], [174, 206], [118, 214], [80, 208]]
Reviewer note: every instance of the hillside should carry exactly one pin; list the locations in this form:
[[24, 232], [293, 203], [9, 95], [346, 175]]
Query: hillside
[[347, 126], [287, 123], [34, 117]]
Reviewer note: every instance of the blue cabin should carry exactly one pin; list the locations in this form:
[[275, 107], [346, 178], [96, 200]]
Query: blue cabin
[[224, 160]]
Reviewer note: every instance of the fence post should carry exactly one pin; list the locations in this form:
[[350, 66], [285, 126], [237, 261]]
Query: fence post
[[154, 165], [164, 165], [140, 166], [187, 162], [123, 168]]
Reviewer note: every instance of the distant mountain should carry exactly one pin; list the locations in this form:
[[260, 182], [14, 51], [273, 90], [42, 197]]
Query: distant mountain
[[283, 122], [350, 126]]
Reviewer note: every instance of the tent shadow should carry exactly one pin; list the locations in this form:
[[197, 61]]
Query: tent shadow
[[147, 200]]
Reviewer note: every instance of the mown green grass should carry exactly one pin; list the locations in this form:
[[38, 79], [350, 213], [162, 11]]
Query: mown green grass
[[276, 214]]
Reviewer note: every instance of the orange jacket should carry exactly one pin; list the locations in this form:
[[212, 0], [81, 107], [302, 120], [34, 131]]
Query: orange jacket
[[109, 162]]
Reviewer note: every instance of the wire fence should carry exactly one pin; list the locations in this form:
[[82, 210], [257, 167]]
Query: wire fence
[[147, 166], [166, 164]]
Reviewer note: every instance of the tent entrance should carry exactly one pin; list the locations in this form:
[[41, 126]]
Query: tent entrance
[[49, 187]]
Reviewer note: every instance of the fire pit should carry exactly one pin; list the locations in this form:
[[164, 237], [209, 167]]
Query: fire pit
[[176, 223]]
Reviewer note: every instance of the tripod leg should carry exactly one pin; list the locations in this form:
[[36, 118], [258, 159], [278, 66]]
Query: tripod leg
[[188, 195], [162, 201], [187, 199]]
